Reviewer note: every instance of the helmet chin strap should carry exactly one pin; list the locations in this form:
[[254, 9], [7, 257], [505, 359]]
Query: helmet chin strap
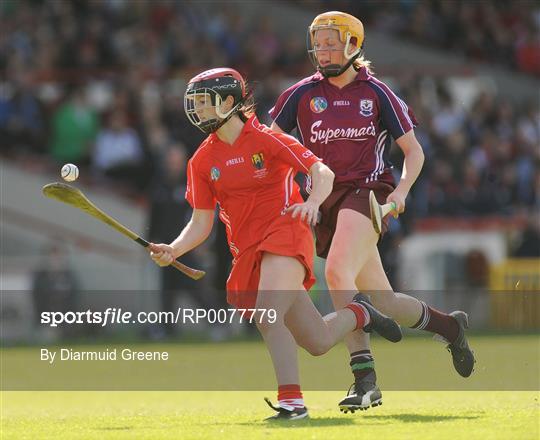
[[333, 70], [218, 105], [225, 116]]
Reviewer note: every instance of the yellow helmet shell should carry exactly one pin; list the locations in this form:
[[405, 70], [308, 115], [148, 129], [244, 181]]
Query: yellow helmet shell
[[342, 22]]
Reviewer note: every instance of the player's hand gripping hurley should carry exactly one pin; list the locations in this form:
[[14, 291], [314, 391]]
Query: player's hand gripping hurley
[[74, 197], [378, 212]]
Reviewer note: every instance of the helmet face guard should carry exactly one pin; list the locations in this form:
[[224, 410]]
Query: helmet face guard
[[350, 32], [207, 91]]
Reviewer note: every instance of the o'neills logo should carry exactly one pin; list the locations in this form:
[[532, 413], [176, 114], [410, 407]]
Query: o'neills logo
[[326, 135]]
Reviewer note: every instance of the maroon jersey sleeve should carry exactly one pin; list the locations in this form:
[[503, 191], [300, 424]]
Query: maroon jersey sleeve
[[285, 112], [395, 114]]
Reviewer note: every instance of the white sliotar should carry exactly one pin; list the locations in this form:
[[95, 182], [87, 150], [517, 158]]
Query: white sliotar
[[69, 172]]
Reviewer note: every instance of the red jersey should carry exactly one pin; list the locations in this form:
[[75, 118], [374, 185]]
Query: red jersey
[[349, 128], [252, 180]]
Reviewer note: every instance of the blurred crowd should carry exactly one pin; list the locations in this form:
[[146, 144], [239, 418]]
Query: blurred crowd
[[99, 83], [482, 159], [495, 31]]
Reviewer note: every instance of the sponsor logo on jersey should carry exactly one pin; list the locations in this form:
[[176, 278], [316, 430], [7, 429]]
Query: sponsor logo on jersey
[[214, 173], [341, 103], [234, 161], [258, 161], [318, 104], [366, 107], [325, 135]]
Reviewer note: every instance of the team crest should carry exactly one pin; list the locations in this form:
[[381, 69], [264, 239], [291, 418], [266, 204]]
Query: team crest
[[214, 173], [366, 107], [318, 104], [258, 161]]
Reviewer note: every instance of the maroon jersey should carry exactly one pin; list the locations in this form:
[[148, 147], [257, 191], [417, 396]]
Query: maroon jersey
[[348, 128]]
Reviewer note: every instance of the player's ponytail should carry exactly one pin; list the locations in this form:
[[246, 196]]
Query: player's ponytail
[[247, 110], [362, 62]]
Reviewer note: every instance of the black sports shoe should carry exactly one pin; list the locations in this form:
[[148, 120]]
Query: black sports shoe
[[462, 355], [362, 395], [286, 414], [382, 324]]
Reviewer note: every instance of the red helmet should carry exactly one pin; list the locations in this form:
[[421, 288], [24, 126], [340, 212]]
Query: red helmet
[[214, 85]]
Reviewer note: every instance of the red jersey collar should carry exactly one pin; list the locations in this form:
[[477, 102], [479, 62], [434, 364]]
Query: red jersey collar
[[251, 124]]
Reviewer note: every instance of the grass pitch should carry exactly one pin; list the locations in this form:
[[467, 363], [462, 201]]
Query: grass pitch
[[504, 363], [447, 407], [238, 415]]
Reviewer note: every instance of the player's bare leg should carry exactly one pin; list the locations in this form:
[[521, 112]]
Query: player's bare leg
[[410, 312], [279, 284], [318, 334], [314, 333], [353, 239], [372, 278], [295, 312]]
